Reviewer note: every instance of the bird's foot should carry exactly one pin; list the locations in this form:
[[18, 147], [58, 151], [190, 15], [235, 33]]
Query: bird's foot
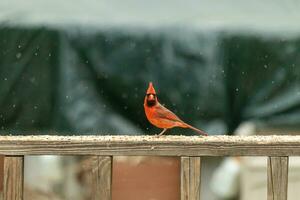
[[161, 133]]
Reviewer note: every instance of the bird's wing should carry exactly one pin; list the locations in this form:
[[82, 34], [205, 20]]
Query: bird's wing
[[164, 113]]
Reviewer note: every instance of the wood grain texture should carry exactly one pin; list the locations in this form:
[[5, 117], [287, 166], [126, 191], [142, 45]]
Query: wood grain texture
[[277, 178], [195, 178], [190, 178], [1, 173], [13, 178], [185, 175], [151, 145], [101, 175]]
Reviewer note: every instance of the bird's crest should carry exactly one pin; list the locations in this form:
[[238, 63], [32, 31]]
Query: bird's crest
[[151, 89]]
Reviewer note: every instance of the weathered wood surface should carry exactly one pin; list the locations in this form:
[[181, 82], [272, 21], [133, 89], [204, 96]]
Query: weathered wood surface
[[13, 177], [101, 177], [1, 173], [151, 145], [277, 178], [190, 178]]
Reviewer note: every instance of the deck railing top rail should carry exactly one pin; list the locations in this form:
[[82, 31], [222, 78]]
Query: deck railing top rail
[[190, 149], [151, 145]]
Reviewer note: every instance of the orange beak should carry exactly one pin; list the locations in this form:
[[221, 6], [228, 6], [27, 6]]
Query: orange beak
[[151, 89], [151, 97]]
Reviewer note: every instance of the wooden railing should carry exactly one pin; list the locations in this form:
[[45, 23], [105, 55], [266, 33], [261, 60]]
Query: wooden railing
[[190, 149]]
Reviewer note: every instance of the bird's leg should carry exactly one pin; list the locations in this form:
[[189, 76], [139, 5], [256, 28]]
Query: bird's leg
[[162, 132]]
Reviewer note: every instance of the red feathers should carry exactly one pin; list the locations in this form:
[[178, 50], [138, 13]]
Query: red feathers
[[160, 116]]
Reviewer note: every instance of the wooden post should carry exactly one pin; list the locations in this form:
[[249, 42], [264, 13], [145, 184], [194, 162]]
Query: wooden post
[[101, 175], [278, 178], [190, 178], [13, 177]]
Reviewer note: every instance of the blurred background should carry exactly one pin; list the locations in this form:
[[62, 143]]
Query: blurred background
[[83, 67]]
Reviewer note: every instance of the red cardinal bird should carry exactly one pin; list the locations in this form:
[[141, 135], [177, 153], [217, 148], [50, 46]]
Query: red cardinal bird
[[160, 116]]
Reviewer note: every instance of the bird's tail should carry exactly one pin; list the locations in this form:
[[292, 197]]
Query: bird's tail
[[195, 129]]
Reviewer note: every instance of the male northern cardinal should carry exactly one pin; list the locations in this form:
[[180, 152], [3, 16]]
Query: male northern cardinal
[[160, 116]]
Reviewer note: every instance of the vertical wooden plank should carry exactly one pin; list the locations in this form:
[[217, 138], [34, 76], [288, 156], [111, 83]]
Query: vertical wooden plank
[[277, 178], [185, 176], [190, 178], [101, 175], [1, 176], [13, 177], [195, 178], [1, 173]]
